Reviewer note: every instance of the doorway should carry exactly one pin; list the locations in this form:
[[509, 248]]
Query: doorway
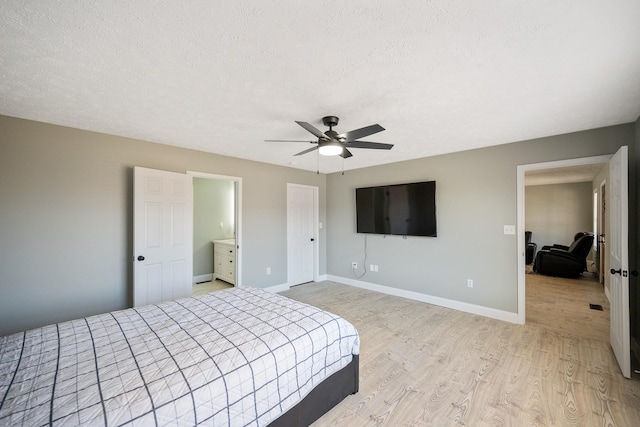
[[601, 233], [558, 204], [522, 170], [617, 243], [163, 233], [217, 218]]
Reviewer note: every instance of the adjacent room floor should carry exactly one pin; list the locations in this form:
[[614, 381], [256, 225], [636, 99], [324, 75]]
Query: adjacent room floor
[[568, 305], [206, 287]]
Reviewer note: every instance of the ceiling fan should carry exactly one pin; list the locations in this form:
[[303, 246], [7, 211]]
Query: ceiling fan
[[332, 143]]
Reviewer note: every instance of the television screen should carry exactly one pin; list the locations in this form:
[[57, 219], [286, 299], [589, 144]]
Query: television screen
[[402, 209]]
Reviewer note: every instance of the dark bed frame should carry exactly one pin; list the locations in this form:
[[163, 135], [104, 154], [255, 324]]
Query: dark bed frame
[[325, 396]]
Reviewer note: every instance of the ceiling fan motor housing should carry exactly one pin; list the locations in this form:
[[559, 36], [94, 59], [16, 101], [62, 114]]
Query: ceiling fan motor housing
[[330, 121]]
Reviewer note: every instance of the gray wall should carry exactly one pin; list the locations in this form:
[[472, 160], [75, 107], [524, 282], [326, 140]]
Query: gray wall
[[66, 218], [476, 197], [555, 213], [213, 204], [66, 204]]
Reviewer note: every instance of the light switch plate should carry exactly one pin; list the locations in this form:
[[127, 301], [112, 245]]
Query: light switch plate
[[509, 229]]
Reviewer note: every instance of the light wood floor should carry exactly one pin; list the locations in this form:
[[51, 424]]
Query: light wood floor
[[424, 365], [562, 305], [206, 287]]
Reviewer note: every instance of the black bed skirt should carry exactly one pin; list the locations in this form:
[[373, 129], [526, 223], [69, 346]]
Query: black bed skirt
[[321, 399]]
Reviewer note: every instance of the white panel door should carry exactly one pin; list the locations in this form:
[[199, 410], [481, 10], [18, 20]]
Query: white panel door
[[163, 236], [301, 233], [619, 261]]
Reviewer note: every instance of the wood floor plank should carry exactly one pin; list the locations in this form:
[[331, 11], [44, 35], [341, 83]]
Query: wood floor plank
[[424, 365]]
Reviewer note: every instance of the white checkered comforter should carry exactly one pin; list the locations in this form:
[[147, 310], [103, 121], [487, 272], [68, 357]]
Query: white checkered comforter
[[235, 357]]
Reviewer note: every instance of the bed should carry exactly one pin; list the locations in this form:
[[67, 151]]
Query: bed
[[239, 357]]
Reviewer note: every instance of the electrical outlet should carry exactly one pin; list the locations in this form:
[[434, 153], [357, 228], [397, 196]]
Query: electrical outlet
[[375, 268], [371, 267], [469, 283], [268, 270], [354, 265]]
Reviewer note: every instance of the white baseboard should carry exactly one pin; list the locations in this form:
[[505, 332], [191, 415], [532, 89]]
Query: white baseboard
[[607, 294], [442, 302], [278, 288], [203, 278], [286, 287]]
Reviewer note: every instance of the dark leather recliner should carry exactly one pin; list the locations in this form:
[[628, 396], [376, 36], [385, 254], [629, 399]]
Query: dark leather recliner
[[564, 261]]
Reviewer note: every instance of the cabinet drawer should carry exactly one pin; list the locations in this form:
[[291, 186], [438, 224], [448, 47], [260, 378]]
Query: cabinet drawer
[[225, 250]]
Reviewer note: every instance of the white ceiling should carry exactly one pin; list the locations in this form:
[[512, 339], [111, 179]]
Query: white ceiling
[[440, 76]]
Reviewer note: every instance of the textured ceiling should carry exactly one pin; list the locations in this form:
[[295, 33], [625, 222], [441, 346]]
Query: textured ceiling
[[440, 76]]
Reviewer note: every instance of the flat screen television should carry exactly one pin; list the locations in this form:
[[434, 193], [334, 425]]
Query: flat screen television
[[401, 209]]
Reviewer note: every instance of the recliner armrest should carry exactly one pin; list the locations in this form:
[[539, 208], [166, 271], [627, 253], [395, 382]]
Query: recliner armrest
[[564, 254]]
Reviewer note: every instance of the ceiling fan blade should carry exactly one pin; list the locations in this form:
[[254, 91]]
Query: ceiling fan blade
[[289, 140], [365, 144], [312, 129], [345, 153], [306, 151], [360, 133]]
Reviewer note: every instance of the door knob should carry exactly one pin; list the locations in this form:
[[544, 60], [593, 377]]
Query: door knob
[[312, 239], [618, 271], [634, 273], [140, 258]]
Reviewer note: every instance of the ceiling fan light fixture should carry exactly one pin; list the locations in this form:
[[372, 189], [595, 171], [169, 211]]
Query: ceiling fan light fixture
[[330, 148], [332, 143]]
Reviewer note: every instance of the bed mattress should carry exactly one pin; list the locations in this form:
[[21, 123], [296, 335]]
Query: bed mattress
[[238, 357]]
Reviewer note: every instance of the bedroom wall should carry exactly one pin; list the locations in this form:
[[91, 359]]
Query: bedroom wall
[[476, 197], [555, 213], [66, 218], [213, 204], [66, 205]]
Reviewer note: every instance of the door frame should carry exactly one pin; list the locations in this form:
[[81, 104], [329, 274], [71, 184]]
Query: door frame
[[316, 228], [521, 244], [238, 215], [602, 229]]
